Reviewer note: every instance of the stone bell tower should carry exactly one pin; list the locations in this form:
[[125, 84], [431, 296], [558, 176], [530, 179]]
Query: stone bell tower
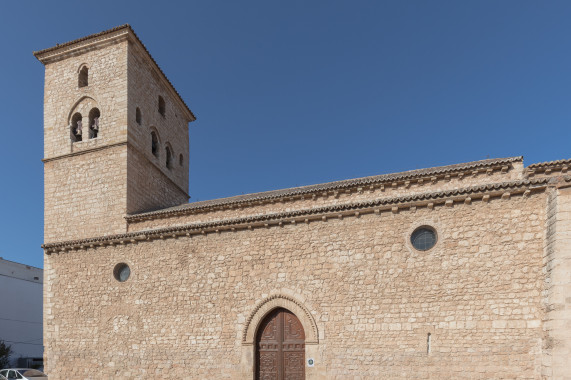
[[115, 136]]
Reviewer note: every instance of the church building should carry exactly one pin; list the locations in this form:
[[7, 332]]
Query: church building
[[452, 272]]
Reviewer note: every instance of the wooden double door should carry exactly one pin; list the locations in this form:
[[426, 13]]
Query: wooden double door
[[280, 347]]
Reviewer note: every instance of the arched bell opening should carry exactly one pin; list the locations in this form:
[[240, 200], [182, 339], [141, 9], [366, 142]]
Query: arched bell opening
[[94, 115], [75, 127]]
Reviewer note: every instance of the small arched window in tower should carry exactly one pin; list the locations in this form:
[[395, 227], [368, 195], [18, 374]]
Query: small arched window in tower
[[138, 116], [83, 77], [94, 123], [161, 106], [154, 144], [169, 157], [180, 160], [75, 127]]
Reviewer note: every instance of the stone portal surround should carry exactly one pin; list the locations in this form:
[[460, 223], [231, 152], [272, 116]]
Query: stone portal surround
[[286, 299]]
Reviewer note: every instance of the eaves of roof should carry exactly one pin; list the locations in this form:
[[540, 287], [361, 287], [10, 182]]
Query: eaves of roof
[[540, 166], [40, 53], [337, 185], [313, 214]]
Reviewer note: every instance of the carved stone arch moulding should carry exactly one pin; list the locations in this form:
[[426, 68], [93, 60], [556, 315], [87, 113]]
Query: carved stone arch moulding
[[83, 106], [84, 64], [280, 301]]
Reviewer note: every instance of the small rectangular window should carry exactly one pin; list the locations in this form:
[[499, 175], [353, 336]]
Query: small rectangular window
[[161, 106], [428, 344]]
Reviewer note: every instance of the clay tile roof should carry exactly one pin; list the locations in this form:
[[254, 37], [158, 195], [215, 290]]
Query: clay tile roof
[[344, 184], [131, 237], [550, 164], [37, 54]]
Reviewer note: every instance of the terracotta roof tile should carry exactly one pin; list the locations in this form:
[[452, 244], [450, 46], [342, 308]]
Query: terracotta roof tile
[[131, 237], [344, 184], [542, 165]]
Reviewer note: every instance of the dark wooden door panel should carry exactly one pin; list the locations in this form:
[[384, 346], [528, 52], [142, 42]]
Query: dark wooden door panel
[[293, 330], [268, 365], [280, 347], [294, 362]]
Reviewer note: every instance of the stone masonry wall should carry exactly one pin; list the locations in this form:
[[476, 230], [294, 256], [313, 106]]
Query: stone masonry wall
[[149, 187], [107, 89], [492, 293], [145, 87], [374, 298], [92, 184], [557, 269], [85, 182], [84, 195]]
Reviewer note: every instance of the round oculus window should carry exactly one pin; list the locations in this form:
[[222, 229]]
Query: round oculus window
[[423, 238], [121, 272]]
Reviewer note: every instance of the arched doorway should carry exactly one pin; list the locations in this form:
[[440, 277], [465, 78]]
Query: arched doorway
[[280, 347]]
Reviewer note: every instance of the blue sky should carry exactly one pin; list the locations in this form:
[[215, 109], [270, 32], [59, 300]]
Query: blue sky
[[291, 93]]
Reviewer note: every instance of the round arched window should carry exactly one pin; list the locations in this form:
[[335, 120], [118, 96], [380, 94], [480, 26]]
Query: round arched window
[[423, 238], [121, 272]]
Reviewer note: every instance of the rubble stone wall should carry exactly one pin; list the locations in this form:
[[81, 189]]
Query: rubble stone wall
[[374, 298], [87, 177]]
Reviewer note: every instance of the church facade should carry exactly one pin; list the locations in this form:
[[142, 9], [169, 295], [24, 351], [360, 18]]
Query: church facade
[[461, 271]]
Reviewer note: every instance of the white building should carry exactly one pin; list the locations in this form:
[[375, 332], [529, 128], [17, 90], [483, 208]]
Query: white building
[[21, 311]]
